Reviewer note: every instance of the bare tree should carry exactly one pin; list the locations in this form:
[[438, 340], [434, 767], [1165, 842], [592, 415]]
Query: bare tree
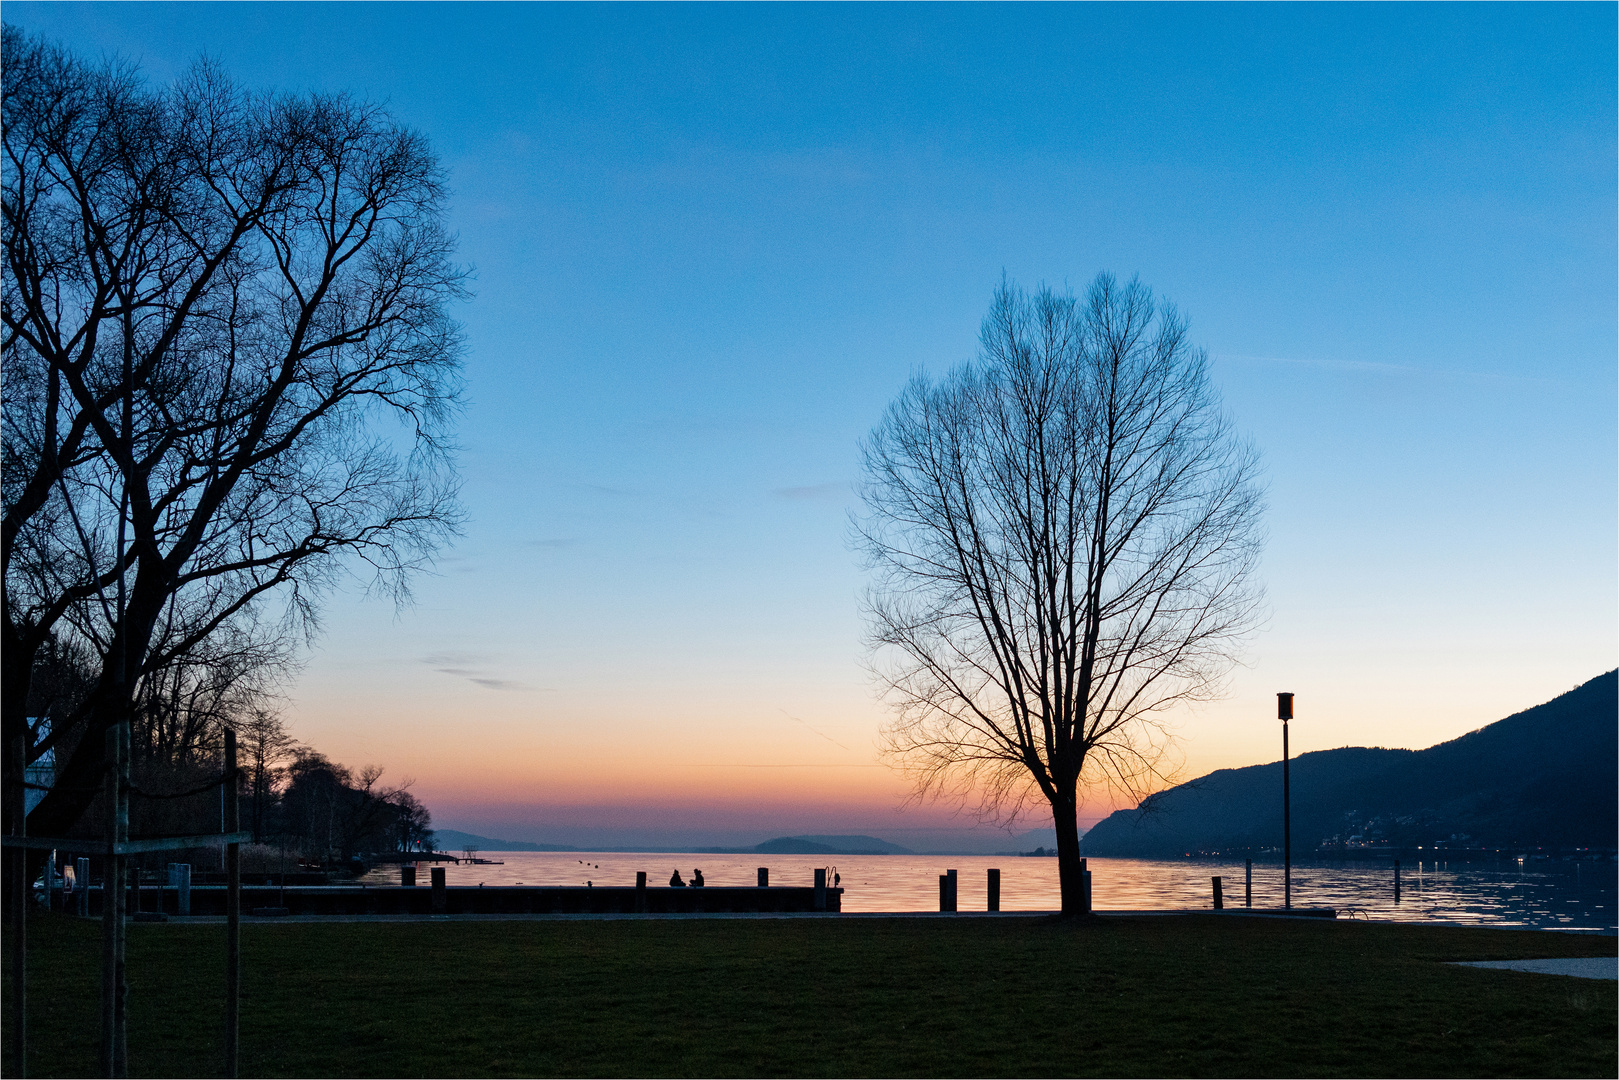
[[229, 371], [1063, 534]]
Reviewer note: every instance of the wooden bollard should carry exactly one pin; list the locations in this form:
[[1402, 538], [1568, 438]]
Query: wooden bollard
[[994, 891], [947, 891], [1396, 881], [640, 890], [820, 888], [407, 876], [1219, 894], [764, 877], [1248, 883], [441, 898]]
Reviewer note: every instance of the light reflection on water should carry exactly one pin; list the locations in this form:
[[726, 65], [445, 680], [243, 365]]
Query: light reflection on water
[[1571, 895]]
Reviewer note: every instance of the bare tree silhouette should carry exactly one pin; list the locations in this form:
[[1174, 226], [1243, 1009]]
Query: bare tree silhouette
[[230, 373], [1063, 535]]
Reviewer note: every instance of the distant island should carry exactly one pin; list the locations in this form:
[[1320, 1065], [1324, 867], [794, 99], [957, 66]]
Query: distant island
[[815, 845], [1542, 778], [455, 840]]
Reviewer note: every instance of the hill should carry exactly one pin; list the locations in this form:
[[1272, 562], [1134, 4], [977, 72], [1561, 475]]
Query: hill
[[453, 840], [817, 845], [1544, 777]]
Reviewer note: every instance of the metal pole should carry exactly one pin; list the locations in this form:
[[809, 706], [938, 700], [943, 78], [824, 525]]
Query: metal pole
[[1287, 828], [114, 991], [233, 908], [19, 910]]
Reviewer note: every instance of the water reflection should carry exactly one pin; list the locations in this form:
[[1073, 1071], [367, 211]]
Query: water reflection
[[1551, 894]]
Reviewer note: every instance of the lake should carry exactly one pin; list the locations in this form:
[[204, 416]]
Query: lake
[[1544, 893]]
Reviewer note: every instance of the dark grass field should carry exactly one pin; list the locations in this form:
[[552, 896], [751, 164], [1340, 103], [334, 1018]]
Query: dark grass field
[[1164, 996]]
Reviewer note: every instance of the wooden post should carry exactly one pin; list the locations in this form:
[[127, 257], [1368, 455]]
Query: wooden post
[[1219, 894], [233, 909], [994, 891], [640, 890], [407, 876], [820, 888], [1248, 883], [441, 898], [764, 877], [1084, 887], [955, 897], [1396, 881], [944, 892]]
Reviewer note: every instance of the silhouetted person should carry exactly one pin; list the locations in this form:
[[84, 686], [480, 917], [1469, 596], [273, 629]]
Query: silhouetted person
[[837, 879], [697, 879], [675, 881]]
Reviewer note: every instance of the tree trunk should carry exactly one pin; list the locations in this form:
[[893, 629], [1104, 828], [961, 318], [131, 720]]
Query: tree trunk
[[1065, 816]]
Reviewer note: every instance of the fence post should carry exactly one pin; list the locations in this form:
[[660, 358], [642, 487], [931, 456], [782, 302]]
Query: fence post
[[81, 886], [820, 889], [1396, 881], [994, 891], [1248, 883], [233, 908], [764, 877], [1219, 894], [441, 898]]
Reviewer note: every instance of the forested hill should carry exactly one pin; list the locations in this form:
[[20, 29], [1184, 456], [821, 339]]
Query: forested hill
[[1544, 777]]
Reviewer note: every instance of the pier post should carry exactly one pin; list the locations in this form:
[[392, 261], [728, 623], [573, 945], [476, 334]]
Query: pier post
[[407, 876], [820, 889], [994, 891], [764, 877], [441, 898], [640, 891], [1248, 883], [1219, 894], [1396, 881]]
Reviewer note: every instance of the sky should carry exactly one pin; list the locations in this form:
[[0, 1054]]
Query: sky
[[711, 243]]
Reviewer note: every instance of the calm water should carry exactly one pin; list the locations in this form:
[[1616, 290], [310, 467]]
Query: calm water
[[1554, 895]]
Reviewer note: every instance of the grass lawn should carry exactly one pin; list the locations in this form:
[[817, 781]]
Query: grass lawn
[[1167, 996]]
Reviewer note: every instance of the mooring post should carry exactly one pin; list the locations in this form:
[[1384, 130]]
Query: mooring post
[[233, 908], [407, 876], [441, 898], [1248, 883], [820, 888], [1219, 894], [81, 886], [1396, 881], [640, 890], [764, 877], [994, 891]]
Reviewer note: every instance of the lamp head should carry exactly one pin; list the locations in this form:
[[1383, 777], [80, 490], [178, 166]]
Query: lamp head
[[1284, 706]]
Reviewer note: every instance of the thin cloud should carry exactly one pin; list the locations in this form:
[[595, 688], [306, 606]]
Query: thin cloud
[[1376, 367], [811, 492], [822, 734]]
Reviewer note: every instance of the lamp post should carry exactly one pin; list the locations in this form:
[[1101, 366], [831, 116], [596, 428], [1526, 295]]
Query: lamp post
[[1284, 713]]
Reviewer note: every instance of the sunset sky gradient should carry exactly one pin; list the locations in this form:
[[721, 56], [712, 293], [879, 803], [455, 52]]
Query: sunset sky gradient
[[712, 242]]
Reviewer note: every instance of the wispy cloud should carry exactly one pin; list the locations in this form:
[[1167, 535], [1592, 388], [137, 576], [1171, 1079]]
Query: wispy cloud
[[822, 734], [1376, 367], [470, 666], [822, 492]]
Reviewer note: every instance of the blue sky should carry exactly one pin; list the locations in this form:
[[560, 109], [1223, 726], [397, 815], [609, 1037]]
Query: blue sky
[[711, 243]]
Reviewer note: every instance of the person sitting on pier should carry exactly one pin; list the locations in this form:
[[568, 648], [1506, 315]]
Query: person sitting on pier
[[675, 881], [697, 879]]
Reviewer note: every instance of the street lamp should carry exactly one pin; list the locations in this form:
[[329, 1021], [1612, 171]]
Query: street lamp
[[1284, 713]]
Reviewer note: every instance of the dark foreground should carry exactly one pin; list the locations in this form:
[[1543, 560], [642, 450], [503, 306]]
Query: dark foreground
[[1153, 996]]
